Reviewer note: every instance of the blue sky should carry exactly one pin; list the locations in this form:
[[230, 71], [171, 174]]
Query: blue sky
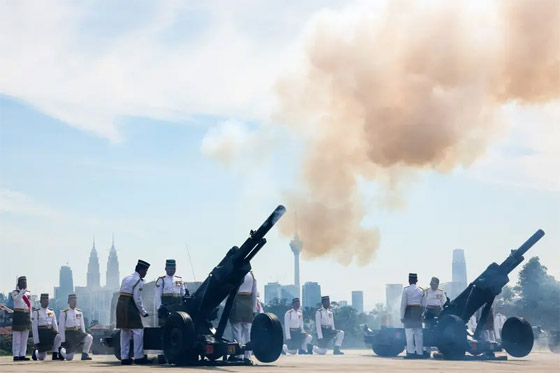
[[158, 128]]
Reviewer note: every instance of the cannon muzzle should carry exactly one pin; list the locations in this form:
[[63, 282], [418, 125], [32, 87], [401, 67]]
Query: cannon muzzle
[[516, 256]]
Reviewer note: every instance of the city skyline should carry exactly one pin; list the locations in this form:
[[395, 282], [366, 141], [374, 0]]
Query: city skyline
[[100, 134]]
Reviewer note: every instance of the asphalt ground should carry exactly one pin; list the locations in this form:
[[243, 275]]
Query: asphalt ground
[[352, 361]]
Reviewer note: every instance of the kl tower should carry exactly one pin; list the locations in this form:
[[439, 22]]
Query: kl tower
[[296, 245]]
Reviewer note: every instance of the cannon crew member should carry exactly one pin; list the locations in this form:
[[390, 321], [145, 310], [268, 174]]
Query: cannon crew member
[[45, 330], [130, 309], [297, 340], [170, 290], [433, 301], [242, 313], [72, 330], [326, 332], [411, 317], [21, 323]]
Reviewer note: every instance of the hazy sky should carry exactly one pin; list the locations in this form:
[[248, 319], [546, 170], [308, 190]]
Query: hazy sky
[[112, 123]]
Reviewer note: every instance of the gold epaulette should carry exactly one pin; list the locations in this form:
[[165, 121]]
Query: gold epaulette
[[77, 309], [66, 309], [440, 289]]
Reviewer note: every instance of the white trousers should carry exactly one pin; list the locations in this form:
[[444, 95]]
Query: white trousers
[[414, 340], [304, 342], [56, 345], [339, 337], [242, 333], [138, 337], [87, 341], [19, 343]]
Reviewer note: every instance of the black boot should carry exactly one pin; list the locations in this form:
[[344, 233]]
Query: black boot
[[55, 356], [161, 359], [337, 351], [85, 356], [126, 362], [143, 361], [301, 351], [24, 358], [34, 355], [309, 349], [16, 358]]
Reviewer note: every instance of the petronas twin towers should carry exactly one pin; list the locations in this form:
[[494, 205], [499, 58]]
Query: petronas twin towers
[[112, 278]]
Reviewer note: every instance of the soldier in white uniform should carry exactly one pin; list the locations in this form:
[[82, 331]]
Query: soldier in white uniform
[[72, 331], [433, 301], [45, 330], [21, 323], [326, 332], [411, 317], [170, 290], [242, 313], [129, 311], [297, 340]]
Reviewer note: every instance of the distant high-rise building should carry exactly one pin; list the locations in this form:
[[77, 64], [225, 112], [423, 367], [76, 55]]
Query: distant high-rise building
[[289, 292], [112, 279], [358, 301], [311, 294], [393, 293], [271, 292], [342, 303], [65, 287], [93, 274], [296, 245], [459, 272]]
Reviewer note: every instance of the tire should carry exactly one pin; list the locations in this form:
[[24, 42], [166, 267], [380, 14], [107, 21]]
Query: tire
[[452, 337], [387, 350], [178, 339], [267, 337], [517, 337]]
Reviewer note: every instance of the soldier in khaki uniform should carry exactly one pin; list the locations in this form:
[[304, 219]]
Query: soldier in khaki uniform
[[326, 332], [297, 340], [72, 330], [45, 330]]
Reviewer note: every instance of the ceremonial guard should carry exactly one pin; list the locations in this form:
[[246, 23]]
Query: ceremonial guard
[[411, 317], [72, 330], [242, 313], [21, 323], [324, 322], [433, 301], [130, 309], [45, 331], [169, 292], [297, 340]]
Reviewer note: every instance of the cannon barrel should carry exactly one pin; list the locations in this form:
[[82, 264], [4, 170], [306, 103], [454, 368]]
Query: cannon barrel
[[516, 256], [489, 284], [230, 272]]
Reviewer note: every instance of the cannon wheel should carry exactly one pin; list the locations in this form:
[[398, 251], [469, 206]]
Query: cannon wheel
[[267, 337], [178, 339], [452, 337], [116, 341], [517, 337], [391, 350]]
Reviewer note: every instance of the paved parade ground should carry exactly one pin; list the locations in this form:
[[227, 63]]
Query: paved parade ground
[[353, 361]]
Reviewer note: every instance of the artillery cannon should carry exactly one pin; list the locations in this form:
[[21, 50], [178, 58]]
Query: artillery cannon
[[188, 336], [449, 332]]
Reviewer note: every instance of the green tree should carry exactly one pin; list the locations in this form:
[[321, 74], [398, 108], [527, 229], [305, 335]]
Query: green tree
[[539, 295], [278, 307]]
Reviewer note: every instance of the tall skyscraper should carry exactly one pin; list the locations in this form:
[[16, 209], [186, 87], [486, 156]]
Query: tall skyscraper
[[66, 283], [459, 272], [271, 292], [112, 279], [358, 301], [311, 294], [93, 274], [296, 245], [393, 293]]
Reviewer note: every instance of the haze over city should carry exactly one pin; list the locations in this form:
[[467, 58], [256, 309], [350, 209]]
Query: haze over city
[[181, 127]]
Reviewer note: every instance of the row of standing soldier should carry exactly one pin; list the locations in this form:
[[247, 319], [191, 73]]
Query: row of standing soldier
[[64, 338]]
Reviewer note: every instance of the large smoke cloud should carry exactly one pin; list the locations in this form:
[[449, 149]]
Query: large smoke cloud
[[418, 86]]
